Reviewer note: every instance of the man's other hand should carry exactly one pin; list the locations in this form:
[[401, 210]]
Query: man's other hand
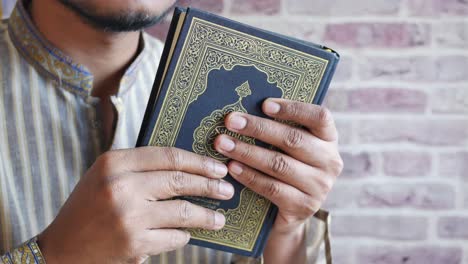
[[298, 176], [119, 212]]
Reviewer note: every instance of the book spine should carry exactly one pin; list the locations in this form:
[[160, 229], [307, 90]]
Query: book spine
[[142, 136], [328, 77]]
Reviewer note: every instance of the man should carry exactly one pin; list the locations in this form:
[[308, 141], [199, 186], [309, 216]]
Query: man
[[75, 78]]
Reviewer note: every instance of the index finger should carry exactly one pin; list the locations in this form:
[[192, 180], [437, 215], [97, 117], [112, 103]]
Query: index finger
[[315, 118], [145, 159]]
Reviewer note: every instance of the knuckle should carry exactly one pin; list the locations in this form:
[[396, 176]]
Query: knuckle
[[246, 152], [279, 164], [117, 209], [326, 184], [272, 189], [336, 165], [210, 218], [207, 164], [177, 239], [310, 205], [177, 182], [118, 186], [250, 178], [112, 188], [211, 187], [333, 163], [324, 116], [108, 160], [293, 108], [174, 157], [259, 128], [185, 212], [294, 138]]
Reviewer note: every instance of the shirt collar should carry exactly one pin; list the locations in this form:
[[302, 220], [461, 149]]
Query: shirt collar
[[52, 62]]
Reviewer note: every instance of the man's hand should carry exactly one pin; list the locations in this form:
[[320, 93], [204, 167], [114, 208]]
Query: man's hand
[[297, 179], [118, 212]]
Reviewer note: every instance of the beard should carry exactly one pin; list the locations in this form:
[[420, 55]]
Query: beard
[[123, 21]]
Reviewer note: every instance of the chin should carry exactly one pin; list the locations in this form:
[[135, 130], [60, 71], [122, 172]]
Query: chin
[[109, 7], [120, 15]]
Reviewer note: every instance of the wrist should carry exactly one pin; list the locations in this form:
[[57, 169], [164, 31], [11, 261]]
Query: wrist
[[280, 228], [29, 251], [47, 250], [295, 232], [285, 245]]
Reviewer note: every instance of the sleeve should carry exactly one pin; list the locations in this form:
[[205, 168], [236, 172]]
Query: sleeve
[[28, 253], [317, 242]]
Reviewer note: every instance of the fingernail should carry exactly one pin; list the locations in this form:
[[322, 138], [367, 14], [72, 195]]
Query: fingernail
[[272, 107], [236, 169], [237, 122], [227, 144], [219, 220], [226, 189], [220, 169]]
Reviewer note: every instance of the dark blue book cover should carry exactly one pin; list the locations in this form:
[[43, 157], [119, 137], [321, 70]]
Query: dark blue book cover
[[212, 66]]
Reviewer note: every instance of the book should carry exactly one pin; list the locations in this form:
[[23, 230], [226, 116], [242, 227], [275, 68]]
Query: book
[[212, 66]]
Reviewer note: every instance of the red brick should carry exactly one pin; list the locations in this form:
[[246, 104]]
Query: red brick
[[453, 100], [425, 254], [345, 131], [391, 100], [343, 195], [452, 68], [387, 100], [465, 202], [419, 196], [407, 163], [453, 165], [378, 35], [451, 35], [343, 7], [453, 227], [342, 252], [438, 7], [426, 132], [413, 69], [308, 31], [381, 227], [213, 6], [337, 100], [248, 7], [344, 70], [358, 165]]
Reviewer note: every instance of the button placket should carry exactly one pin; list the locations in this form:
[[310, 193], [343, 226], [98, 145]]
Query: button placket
[[119, 109]]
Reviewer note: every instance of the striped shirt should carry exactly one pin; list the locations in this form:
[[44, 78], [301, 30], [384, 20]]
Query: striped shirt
[[51, 133]]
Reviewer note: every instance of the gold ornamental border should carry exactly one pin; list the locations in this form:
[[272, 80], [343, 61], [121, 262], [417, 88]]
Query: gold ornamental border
[[243, 233]]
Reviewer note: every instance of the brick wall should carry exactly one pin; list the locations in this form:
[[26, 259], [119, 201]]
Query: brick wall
[[400, 98]]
